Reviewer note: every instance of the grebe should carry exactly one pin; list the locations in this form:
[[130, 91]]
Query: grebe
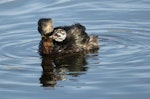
[[64, 39]]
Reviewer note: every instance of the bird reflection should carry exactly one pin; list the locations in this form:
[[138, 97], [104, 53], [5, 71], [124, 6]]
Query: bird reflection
[[57, 68]]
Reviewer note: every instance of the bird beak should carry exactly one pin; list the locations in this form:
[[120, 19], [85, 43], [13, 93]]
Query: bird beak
[[44, 36]]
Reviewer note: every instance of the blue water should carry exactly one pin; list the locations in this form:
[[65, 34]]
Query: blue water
[[119, 70]]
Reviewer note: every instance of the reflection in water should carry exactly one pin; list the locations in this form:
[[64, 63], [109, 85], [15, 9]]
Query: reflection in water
[[56, 69], [120, 70]]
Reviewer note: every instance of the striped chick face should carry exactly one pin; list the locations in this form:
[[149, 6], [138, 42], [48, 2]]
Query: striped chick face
[[59, 35]]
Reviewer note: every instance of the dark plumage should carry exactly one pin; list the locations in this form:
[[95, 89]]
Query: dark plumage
[[65, 39], [77, 40], [46, 46]]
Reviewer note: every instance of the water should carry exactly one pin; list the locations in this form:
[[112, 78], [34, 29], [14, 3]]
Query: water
[[120, 69]]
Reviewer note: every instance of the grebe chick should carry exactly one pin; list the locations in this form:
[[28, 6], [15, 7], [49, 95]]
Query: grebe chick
[[59, 35]]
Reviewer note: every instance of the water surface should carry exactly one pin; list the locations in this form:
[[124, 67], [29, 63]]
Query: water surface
[[119, 70]]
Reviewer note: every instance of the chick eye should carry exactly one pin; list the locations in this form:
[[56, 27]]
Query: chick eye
[[62, 33]]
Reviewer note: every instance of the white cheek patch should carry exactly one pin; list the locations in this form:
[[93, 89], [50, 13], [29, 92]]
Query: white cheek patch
[[60, 36]]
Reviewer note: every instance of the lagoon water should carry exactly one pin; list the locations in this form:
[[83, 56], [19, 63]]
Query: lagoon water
[[119, 70]]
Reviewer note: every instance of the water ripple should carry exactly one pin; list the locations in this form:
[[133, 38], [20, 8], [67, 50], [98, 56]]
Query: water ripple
[[118, 46], [121, 67]]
